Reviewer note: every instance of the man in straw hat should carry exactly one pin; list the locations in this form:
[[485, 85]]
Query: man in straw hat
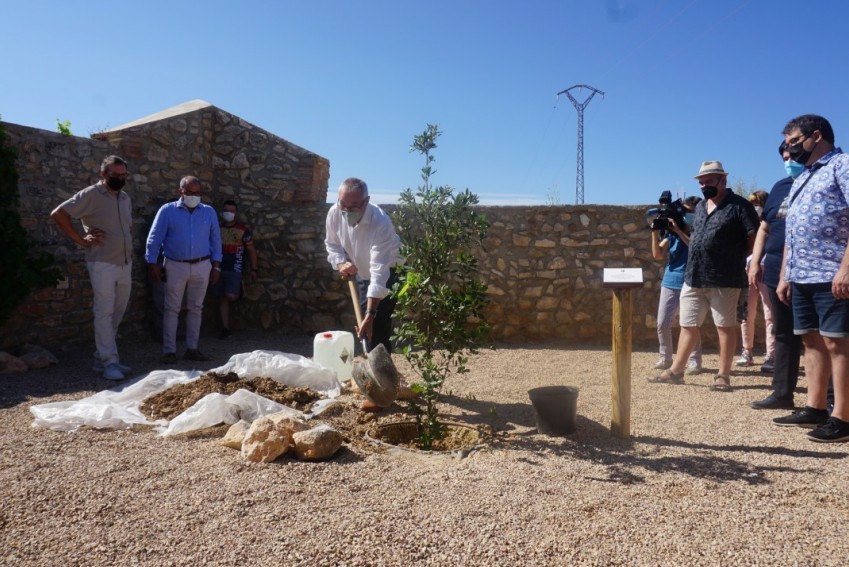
[[816, 275], [723, 233]]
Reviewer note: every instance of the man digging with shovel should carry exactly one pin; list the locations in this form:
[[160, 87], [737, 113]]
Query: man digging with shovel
[[362, 244]]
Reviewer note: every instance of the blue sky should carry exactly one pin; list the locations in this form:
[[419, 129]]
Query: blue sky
[[354, 81]]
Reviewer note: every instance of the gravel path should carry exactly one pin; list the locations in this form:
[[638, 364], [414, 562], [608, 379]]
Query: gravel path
[[704, 480]]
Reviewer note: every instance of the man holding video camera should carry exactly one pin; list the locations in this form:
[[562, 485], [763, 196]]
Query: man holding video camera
[[724, 230]]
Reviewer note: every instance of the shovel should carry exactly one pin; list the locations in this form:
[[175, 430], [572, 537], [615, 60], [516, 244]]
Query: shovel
[[375, 375]]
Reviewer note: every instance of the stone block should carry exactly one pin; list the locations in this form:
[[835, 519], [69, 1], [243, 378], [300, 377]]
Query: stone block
[[318, 443], [10, 364], [236, 434], [264, 441]]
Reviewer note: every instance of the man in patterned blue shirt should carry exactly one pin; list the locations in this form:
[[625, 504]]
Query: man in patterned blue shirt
[[816, 273]]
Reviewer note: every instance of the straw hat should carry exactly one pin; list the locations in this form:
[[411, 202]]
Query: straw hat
[[711, 168]]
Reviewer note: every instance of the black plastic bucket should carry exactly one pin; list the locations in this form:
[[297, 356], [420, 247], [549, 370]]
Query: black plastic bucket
[[556, 408]]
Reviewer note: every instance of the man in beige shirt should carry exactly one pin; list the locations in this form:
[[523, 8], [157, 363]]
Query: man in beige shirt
[[105, 213]]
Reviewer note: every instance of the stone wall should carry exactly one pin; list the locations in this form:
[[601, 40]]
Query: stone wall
[[543, 265], [281, 189]]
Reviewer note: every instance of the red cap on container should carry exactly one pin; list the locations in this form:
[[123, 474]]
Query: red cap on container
[[327, 335]]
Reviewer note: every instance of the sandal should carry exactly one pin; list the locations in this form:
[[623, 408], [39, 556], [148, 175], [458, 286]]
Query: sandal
[[721, 383], [668, 377]]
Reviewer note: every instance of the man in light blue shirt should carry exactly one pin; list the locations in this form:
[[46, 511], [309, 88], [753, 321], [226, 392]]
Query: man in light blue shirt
[[187, 232], [816, 273]]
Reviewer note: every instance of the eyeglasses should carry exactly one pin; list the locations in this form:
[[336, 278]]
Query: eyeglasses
[[797, 140], [353, 208]]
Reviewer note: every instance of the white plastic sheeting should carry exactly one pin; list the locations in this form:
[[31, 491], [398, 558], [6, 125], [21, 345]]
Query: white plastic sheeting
[[119, 408]]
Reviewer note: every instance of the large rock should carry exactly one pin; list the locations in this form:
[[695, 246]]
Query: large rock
[[291, 424], [236, 434], [317, 444], [11, 364], [37, 357], [265, 441]]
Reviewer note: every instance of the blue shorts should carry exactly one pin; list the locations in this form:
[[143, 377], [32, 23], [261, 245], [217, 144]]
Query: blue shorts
[[815, 309], [229, 283]]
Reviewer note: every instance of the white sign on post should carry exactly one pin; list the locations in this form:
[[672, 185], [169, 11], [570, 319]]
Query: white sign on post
[[623, 277]]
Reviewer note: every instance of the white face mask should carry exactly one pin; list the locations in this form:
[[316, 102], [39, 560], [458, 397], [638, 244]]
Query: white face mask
[[228, 216], [759, 210], [191, 201], [352, 218]]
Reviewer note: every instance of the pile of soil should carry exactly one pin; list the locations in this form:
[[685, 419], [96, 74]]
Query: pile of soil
[[345, 415], [175, 400]]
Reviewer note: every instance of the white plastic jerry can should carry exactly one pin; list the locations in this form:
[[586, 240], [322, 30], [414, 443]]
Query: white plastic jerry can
[[335, 350]]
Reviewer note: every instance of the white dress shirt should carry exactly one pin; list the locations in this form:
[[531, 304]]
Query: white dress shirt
[[372, 246]]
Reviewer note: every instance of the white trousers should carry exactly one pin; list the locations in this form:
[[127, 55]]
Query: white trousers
[[111, 285], [191, 280]]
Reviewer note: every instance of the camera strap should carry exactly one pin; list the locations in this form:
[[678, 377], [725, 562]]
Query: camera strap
[[814, 169]]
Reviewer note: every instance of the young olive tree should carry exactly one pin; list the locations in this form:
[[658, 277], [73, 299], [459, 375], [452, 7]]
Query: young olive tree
[[441, 300]]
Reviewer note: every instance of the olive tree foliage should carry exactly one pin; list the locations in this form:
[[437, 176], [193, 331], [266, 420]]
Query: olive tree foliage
[[441, 299]]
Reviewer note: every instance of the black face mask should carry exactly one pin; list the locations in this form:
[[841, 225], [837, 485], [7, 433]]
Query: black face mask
[[710, 191], [115, 184], [798, 153]]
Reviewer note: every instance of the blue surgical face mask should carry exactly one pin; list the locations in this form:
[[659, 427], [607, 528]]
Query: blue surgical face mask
[[794, 169], [689, 218]]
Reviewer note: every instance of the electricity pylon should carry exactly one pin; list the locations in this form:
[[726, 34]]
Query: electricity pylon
[[580, 106]]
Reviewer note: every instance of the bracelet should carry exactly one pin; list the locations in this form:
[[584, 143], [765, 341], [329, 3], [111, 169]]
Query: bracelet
[[371, 311], [216, 268]]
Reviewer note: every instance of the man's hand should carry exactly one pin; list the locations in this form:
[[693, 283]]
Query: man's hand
[[154, 273], [347, 270], [93, 237], [214, 274], [840, 283], [365, 329], [783, 292]]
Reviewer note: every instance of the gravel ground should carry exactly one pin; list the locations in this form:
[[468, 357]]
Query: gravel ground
[[703, 480]]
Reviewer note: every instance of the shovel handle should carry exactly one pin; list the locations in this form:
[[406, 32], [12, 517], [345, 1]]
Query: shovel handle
[[355, 297]]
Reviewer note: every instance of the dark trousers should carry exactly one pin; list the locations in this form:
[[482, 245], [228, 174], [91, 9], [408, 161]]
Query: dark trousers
[[381, 329], [788, 348]]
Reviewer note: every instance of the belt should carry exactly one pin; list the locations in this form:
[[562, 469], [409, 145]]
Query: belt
[[192, 261]]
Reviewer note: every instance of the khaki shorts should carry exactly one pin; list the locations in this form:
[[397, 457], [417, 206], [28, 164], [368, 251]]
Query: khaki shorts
[[722, 302]]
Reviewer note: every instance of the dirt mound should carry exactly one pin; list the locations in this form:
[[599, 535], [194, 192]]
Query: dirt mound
[[177, 399], [345, 415]]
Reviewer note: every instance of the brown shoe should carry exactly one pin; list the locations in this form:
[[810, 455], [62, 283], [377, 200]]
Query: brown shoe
[[195, 354], [668, 377], [721, 383]]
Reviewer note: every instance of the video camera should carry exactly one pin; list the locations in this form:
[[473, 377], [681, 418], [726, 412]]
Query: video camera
[[668, 209]]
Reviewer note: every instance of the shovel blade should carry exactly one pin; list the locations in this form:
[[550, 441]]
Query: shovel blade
[[377, 377]]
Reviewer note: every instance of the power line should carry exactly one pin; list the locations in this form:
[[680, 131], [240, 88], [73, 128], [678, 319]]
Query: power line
[[580, 106]]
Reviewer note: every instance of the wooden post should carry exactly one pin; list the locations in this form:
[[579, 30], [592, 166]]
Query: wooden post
[[622, 281], [620, 424]]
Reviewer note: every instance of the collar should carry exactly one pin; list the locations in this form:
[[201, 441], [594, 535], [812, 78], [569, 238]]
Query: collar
[[104, 190], [825, 159]]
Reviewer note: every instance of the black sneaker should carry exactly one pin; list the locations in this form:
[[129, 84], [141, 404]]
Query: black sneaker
[[773, 402], [169, 358], [833, 431], [196, 355], [224, 334], [806, 417]]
